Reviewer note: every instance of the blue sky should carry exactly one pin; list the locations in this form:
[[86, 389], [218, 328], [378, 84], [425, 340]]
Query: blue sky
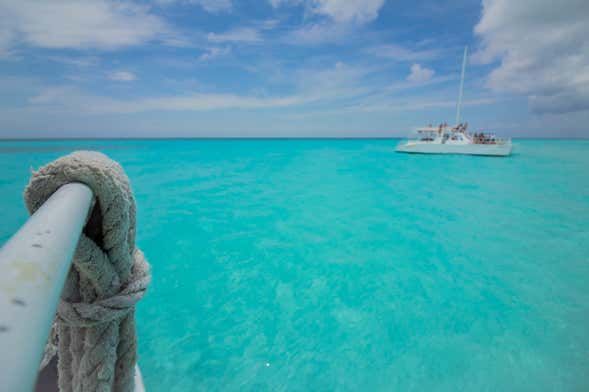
[[296, 68]]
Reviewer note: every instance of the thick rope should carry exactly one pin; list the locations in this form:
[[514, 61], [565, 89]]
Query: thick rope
[[95, 323]]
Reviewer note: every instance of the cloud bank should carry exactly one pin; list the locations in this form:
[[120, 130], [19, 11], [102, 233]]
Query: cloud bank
[[99, 24], [543, 51]]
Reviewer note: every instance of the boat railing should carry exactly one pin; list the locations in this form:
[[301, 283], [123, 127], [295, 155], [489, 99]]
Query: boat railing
[[34, 264], [490, 139], [499, 140]]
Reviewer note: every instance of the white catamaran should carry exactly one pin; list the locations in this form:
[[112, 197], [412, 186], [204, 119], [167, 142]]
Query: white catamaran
[[455, 140]]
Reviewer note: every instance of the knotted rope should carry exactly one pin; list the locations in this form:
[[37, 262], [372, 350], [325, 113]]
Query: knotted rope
[[95, 323]]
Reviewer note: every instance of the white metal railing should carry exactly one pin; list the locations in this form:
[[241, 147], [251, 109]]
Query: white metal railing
[[33, 266]]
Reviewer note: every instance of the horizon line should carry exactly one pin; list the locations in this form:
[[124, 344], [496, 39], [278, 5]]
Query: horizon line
[[34, 139]]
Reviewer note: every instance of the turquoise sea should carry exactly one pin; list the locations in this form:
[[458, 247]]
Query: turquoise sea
[[339, 265]]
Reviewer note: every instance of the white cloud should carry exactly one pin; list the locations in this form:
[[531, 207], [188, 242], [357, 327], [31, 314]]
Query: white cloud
[[318, 34], [77, 24], [310, 86], [420, 74], [358, 11], [213, 53], [122, 76], [339, 82], [7, 36], [332, 88], [406, 84], [215, 6], [335, 21], [68, 99], [417, 104], [400, 53], [211, 6], [543, 51], [245, 34], [75, 61], [50, 95], [269, 24], [278, 3]]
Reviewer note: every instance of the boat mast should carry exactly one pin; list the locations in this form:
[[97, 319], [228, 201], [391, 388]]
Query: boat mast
[[459, 104]]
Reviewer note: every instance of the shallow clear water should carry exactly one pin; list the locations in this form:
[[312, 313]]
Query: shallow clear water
[[319, 265]]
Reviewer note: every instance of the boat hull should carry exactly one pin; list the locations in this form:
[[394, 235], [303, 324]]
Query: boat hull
[[500, 150]]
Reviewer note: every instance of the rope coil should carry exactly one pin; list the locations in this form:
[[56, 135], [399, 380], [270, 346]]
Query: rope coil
[[94, 330]]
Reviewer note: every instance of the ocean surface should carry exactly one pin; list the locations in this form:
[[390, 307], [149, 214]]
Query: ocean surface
[[339, 265]]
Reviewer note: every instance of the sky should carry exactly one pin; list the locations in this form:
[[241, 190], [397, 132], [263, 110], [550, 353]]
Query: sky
[[291, 68]]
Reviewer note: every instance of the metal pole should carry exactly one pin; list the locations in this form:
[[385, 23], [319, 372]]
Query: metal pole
[[459, 104], [33, 266]]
